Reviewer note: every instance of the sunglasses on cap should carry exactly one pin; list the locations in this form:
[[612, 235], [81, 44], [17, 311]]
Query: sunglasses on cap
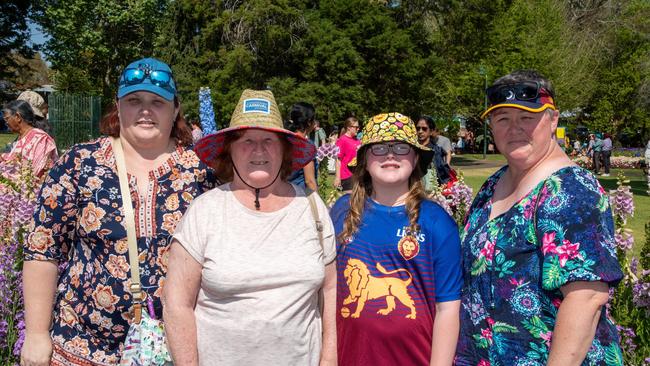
[[399, 148], [524, 91], [159, 78]]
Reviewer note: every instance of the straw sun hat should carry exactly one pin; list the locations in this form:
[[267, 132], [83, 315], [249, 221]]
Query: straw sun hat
[[256, 109]]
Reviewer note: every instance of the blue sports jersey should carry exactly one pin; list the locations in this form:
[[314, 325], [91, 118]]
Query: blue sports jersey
[[388, 283]]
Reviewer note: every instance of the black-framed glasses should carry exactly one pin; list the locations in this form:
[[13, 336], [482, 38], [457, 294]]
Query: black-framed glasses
[[357, 126], [399, 148], [159, 78], [422, 128], [524, 91]]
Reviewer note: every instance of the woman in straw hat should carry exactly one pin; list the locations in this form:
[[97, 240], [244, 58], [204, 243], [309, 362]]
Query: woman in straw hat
[[246, 264], [399, 279]]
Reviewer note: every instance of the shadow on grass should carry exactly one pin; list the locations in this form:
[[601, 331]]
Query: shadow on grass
[[471, 162], [637, 183]]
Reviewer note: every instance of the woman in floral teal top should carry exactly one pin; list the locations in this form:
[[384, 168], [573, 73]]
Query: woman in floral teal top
[[538, 246]]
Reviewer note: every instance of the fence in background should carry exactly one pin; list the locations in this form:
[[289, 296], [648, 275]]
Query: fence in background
[[74, 118]]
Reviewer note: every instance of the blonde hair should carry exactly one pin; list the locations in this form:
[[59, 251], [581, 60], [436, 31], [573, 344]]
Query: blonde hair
[[362, 189]]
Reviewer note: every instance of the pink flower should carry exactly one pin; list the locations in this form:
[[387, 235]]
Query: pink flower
[[488, 251], [487, 334], [547, 337], [490, 321], [568, 251], [548, 243], [516, 282], [529, 209], [556, 303], [483, 363]]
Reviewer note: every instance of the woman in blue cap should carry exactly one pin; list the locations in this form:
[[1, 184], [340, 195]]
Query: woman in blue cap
[[538, 245], [80, 315]]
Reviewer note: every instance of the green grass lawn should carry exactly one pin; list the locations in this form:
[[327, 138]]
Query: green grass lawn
[[475, 178], [6, 138], [488, 157]]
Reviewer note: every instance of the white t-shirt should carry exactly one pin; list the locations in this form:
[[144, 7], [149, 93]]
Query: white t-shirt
[[258, 302]]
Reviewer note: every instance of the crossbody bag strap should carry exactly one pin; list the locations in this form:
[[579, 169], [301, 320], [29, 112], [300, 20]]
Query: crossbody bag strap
[[129, 222], [319, 230], [314, 213]]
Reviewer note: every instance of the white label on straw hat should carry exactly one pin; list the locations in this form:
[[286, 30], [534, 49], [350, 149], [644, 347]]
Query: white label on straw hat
[[257, 106]]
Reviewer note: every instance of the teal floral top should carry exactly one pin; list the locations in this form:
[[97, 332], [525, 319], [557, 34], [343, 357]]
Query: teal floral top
[[515, 264]]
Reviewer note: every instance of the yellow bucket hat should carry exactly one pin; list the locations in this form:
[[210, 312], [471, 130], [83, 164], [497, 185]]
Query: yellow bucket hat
[[392, 126]]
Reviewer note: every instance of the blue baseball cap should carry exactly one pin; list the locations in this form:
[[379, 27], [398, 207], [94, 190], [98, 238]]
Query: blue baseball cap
[[147, 74]]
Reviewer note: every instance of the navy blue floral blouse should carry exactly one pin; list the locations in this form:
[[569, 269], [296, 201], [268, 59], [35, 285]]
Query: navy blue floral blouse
[[516, 263], [79, 222]]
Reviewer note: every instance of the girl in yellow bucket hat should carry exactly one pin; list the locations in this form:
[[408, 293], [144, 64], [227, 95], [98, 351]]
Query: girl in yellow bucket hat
[[399, 274]]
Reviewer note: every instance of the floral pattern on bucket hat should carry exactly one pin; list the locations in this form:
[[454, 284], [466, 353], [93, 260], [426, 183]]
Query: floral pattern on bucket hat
[[256, 109], [388, 127]]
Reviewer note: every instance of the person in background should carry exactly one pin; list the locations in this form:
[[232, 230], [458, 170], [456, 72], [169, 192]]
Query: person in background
[[399, 272], [197, 131], [597, 152], [81, 314], [468, 142], [539, 255], [348, 145], [460, 145], [437, 154], [331, 162], [590, 149], [40, 108], [246, 263], [32, 143], [607, 153], [442, 141], [320, 137], [577, 147], [302, 122]]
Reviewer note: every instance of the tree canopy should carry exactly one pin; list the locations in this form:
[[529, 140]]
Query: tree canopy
[[364, 57]]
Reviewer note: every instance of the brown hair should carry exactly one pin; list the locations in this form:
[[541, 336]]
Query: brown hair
[[362, 189], [223, 165], [349, 121], [110, 126]]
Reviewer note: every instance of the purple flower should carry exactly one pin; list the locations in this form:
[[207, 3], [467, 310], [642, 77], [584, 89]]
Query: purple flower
[[641, 294], [627, 338], [21, 335], [622, 202], [17, 203], [634, 264], [327, 151], [624, 239]]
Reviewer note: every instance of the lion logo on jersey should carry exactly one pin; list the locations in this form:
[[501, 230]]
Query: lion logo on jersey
[[408, 247], [364, 287]]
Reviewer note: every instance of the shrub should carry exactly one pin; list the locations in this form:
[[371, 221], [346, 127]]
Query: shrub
[[17, 202], [630, 301]]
